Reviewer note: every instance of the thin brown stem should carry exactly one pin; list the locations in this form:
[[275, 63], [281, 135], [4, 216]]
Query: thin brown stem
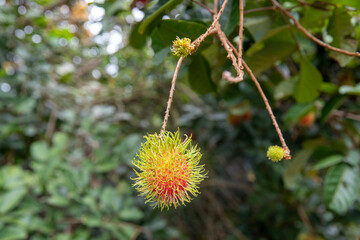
[[309, 35], [172, 90], [210, 30], [305, 219], [204, 6], [231, 56], [241, 30], [216, 4], [267, 105], [348, 115], [258, 86]]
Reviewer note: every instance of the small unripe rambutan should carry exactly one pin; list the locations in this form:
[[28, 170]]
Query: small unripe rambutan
[[275, 153], [182, 47], [169, 170]]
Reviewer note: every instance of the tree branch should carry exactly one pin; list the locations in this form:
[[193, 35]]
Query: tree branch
[[172, 90], [204, 6], [268, 107], [309, 35], [232, 57], [241, 30], [210, 30]]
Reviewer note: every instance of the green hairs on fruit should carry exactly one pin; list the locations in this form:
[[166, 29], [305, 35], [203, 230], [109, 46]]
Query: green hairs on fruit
[[182, 47], [275, 153]]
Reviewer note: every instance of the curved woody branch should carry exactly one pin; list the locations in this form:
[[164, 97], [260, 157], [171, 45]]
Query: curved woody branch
[[309, 35]]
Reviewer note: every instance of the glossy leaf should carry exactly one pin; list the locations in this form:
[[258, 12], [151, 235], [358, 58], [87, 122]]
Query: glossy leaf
[[297, 111], [328, 162], [350, 90], [11, 199], [12, 233], [294, 168], [39, 150], [258, 25], [275, 45], [341, 29], [285, 88], [309, 83], [335, 102], [168, 5], [200, 75], [341, 188], [349, 3], [136, 39], [167, 31], [230, 17]]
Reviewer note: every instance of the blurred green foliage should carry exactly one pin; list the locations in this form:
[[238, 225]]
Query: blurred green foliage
[[81, 83]]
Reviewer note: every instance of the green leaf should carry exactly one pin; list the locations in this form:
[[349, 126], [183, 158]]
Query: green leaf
[[294, 168], [328, 162], [199, 74], [275, 45], [258, 25], [58, 201], [353, 157], [168, 29], [161, 55], [341, 188], [148, 20], [12, 233], [335, 102], [60, 140], [11, 199], [297, 111], [341, 29], [329, 88], [128, 147], [39, 150], [136, 39], [285, 88], [349, 3], [350, 90], [230, 17], [309, 83], [131, 214], [314, 19]]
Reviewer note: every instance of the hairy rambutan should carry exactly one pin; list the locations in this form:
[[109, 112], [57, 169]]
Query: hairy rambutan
[[275, 153], [182, 47], [168, 170]]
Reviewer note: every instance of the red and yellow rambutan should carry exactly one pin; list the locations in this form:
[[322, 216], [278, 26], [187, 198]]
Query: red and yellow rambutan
[[168, 170]]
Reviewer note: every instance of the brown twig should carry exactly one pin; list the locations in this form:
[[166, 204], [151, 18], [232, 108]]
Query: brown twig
[[52, 121], [220, 212], [309, 35], [211, 29], [204, 6], [238, 63], [231, 56], [241, 30], [258, 86], [216, 3], [268, 107], [304, 218], [352, 116], [172, 90], [196, 43]]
